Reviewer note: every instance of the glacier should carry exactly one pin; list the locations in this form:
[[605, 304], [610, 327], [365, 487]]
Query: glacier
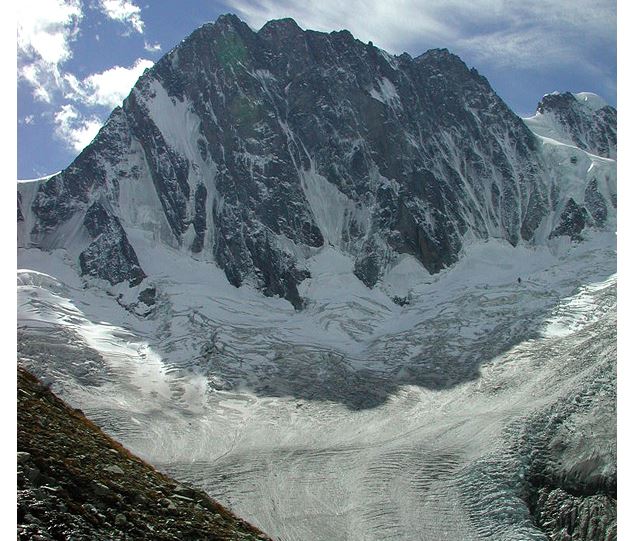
[[356, 418]]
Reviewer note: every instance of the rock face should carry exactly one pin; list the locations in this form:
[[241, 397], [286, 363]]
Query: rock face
[[109, 256], [565, 517], [254, 149], [74, 482]]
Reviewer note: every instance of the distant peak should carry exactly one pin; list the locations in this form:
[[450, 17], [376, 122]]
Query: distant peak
[[587, 98], [443, 55], [555, 101], [561, 100], [344, 33], [228, 18], [280, 27], [285, 22]]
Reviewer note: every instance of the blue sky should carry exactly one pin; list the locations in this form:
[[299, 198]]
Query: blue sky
[[78, 59]]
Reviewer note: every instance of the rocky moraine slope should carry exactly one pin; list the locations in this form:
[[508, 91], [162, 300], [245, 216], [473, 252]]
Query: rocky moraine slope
[[74, 482]]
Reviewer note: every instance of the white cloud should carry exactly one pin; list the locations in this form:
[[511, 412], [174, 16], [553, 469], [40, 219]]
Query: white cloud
[[45, 30], [74, 129], [123, 11], [152, 47], [108, 88], [502, 32], [27, 120]]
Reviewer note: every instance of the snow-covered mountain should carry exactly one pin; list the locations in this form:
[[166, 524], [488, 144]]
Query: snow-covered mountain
[[583, 120], [422, 345], [255, 150]]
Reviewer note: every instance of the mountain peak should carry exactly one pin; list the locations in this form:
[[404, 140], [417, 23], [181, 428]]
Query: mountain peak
[[256, 149], [281, 29], [561, 100], [438, 54], [284, 23], [229, 18], [583, 119]]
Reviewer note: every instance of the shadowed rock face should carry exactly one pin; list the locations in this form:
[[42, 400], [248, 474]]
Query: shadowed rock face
[[564, 516], [109, 256], [573, 220], [252, 149]]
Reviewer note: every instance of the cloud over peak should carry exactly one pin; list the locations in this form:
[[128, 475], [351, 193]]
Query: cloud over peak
[[45, 32], [107, 88], [73, 129]]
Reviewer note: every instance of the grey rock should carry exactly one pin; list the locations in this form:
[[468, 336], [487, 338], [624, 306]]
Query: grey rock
[[110, 256], [584, 518], [168, 504], [573, 219], [182, 498], [148, 296], [32, 473], [100, 489], [90, 508], [114, 469]]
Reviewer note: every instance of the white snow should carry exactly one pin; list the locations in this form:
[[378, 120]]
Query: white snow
[[27, 191], [28, 180], [406, 274], [333, 210], [180, 127], [385, 92]]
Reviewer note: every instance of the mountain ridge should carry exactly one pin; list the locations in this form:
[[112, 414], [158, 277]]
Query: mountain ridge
[[253, 150]]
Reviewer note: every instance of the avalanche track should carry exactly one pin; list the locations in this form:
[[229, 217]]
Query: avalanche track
[[356, 418]]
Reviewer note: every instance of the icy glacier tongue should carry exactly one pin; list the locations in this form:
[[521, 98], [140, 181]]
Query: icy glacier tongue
[[356, 418]]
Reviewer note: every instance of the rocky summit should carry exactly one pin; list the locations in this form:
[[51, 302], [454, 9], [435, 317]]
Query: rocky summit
[[74, 482], [255, 149]]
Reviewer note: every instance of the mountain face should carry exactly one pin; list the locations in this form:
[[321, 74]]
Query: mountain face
[[254, 150], [584, 119], [452, 371]]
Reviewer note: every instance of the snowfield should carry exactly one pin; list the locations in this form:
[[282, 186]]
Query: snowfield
[[356, 418]]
